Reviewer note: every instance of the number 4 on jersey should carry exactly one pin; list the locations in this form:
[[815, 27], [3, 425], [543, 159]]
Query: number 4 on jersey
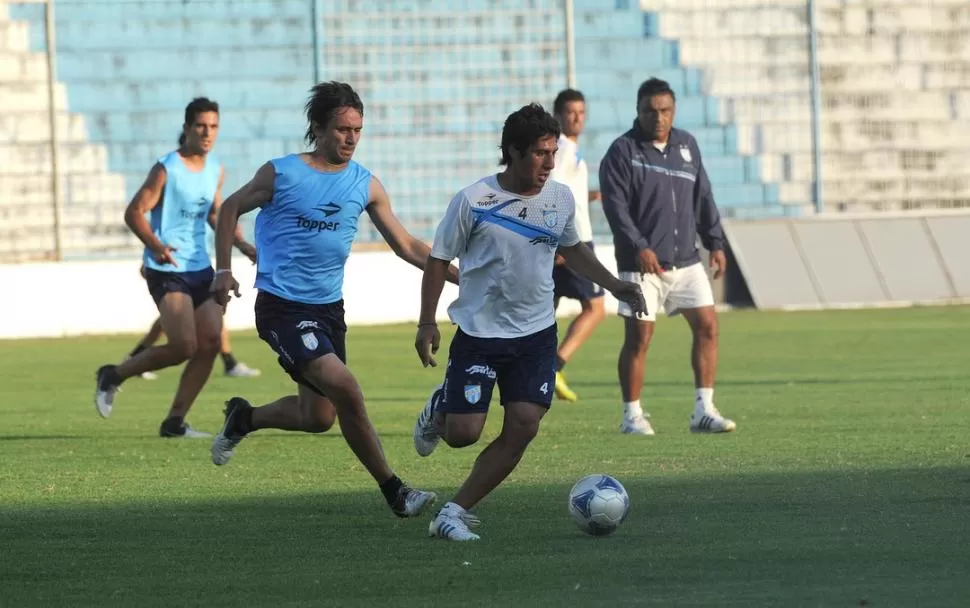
[[523, 213]]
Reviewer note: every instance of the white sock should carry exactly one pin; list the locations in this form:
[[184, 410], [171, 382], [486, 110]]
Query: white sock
[[704, 399], [632, 409]]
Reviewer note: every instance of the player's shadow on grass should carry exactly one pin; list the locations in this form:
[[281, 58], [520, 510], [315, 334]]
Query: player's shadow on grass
[[890, 537]]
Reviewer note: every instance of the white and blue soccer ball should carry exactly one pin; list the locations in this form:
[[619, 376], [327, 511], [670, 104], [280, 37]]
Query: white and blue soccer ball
[[598, 504]]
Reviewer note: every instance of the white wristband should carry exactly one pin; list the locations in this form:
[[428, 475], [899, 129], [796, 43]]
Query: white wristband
[[224, 270]]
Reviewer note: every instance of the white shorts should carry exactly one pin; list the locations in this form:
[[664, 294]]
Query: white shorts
[[687, 287]]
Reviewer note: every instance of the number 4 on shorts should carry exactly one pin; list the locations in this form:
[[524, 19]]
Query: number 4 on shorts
[[544, 389]]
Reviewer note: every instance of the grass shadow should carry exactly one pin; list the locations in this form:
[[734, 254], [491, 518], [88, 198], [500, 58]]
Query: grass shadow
[[884, 537]]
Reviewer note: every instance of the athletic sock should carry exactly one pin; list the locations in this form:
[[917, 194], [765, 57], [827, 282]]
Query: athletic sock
[[228, 360], [173, 424], [704, 399], [244, 423], [390, 488], [632, 409]]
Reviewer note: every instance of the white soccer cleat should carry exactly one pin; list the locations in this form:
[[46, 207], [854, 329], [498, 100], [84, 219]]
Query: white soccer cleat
[[710, 420], [183, 432], [106, 389], [425, 435], [191, 433], [411, 502], [452, 524], [225, 442], [241, 370], [638, 425]]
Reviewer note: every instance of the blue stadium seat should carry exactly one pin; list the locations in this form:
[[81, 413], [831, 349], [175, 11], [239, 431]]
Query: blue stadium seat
[[130, 67]]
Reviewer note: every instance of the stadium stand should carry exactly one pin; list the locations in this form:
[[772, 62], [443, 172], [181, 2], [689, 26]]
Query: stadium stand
[[438, 77]]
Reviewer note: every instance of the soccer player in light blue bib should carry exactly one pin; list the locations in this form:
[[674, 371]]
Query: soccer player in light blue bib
[[181, 193], [309, 207], [506, 229]]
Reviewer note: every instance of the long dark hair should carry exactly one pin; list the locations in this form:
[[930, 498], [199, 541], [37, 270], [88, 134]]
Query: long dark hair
[[325, 99]]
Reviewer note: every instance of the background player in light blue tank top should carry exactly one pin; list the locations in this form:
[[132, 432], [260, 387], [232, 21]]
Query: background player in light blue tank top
[[309, 206], [182, 193]]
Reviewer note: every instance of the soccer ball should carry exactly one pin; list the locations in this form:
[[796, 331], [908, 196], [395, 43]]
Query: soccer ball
[[598, 504]]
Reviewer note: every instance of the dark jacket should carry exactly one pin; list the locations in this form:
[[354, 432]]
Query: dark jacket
[[658, 200]]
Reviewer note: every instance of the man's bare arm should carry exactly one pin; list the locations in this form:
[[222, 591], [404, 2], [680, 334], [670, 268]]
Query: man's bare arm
[[253, 195], [406, 246]]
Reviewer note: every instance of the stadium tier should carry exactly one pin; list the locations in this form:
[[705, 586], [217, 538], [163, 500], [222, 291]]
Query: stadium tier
[[438, 77]]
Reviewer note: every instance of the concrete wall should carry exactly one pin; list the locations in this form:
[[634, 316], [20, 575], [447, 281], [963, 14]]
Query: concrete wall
[[854, 260]]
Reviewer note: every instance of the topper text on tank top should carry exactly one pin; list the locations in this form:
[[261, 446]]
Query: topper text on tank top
[[181, 217], [304, 234]]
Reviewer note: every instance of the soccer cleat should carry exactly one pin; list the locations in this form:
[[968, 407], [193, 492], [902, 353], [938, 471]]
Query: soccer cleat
[[241, 370], [638, 425], [710, 420], [183, 432], [425, 434], [107, 388], [411, 502], [451, 524], [562, 389], [225, 442]]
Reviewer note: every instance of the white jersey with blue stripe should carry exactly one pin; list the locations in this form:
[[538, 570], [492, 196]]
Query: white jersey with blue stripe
[[506, 245]]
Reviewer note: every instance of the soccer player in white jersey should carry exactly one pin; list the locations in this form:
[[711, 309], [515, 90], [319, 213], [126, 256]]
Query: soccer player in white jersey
[[506, 229], [571, 170]]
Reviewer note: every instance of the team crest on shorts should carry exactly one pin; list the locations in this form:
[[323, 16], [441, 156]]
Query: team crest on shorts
[[685, 154], [473, 393], [310, 341], [550, 217]]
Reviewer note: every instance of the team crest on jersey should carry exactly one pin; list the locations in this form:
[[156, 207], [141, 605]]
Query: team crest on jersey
[[310, 341], [550, 217], [685, 154], [473, 393]]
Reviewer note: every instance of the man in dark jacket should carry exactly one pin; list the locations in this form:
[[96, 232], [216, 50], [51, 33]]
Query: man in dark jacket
[[657, 199]]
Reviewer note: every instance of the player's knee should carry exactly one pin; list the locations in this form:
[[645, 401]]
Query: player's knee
[[318, 422], [521, 432], [461, 439], [521, 426], [208, 345], [184, 349], [461, 432], [595, 309], [637, 341], [707, 330]]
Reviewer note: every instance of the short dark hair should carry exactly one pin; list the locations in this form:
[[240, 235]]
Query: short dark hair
[[325, 99], [654, 87], [564, 97], [196, 106], [525, 127]]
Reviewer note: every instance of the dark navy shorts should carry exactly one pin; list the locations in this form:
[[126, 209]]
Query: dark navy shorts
[[574, 286], [300, 333], [525, 369], [195, 283]]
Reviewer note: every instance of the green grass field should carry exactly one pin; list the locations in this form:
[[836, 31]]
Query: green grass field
[[846, 484]]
